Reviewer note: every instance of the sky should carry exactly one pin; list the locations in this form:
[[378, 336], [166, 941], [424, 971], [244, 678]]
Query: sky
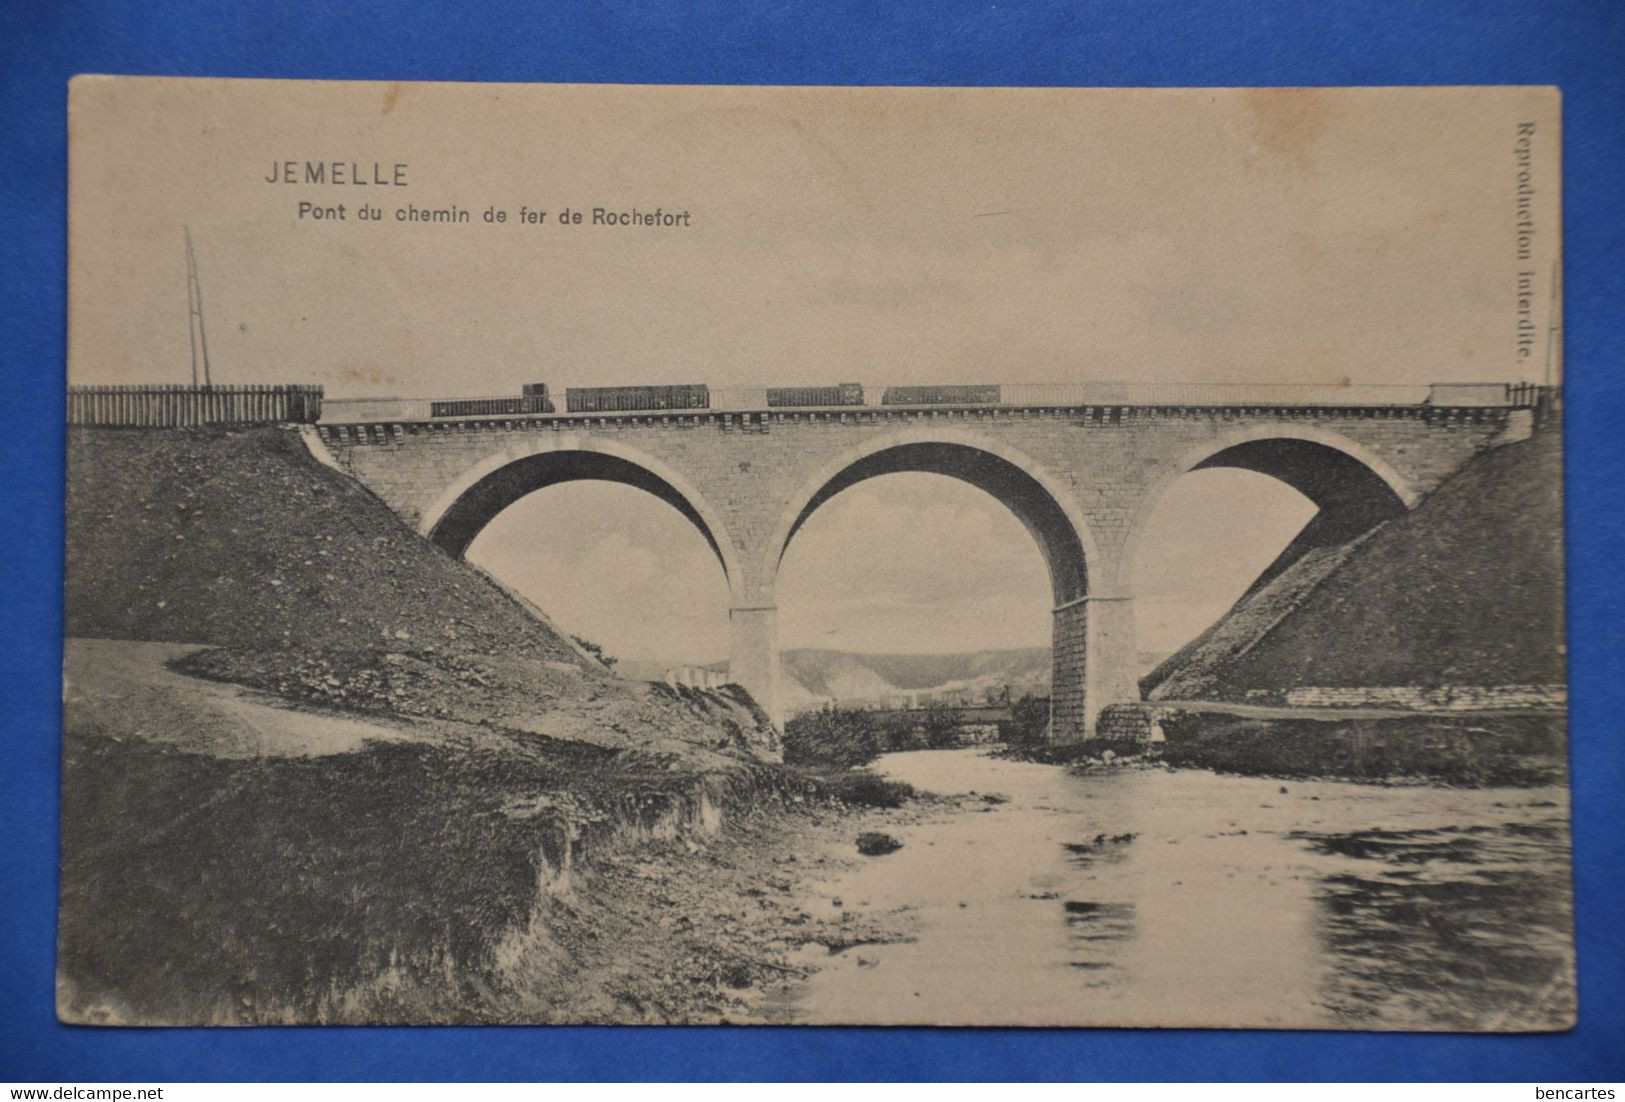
[[619, 567], [877, 235], [882, 235]]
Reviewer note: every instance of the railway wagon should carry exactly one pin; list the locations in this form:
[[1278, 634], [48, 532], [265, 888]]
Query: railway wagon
[[969, 395], [534, 399], [616, 399], [846, 394]]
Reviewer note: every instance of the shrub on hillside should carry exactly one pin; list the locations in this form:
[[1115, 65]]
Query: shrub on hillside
[[596, 651], [861, 788], [838, 738], [1029, 721], [941, 723]]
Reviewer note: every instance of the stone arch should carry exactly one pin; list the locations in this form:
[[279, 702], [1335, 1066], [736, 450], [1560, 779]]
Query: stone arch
[[1038, 500], [484, 489], [1354, 488], [1035, 497]]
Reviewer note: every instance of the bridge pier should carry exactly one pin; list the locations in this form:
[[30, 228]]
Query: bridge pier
[[1094, 663], [1112, 657], [1069, 658], [753, 656]]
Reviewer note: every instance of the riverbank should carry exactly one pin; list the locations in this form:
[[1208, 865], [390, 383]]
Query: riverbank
[[230, 860], [317, 770], [1040, 895], [1473, 750], [1483, 750], [410, 882], [230, 857]]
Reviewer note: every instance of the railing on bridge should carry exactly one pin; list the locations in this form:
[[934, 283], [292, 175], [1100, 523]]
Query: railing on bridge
[[1524, 395], [357, 410], [1003, 395], [181, 406]]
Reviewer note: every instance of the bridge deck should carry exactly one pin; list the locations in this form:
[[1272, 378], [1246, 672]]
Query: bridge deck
[[1059, 396]]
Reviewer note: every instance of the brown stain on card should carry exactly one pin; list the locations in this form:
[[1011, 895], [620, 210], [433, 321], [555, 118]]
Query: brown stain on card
[[1287, 123], [393, 96], [363, 373]]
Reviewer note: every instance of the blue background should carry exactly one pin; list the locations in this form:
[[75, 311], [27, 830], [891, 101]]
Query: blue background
[[1579, 46]]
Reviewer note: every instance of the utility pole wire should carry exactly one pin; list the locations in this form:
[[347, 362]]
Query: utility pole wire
[[194, 320]]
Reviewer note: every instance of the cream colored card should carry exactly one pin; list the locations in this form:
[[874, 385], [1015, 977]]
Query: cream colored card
[[559, 553]]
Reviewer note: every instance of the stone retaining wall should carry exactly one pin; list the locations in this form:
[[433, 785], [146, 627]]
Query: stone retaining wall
[[1451, 698]]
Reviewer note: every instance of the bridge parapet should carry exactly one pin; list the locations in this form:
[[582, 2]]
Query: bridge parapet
[[1032, 396]]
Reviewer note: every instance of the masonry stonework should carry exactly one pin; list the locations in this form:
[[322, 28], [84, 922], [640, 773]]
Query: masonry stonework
[[1068, 695], [747, 479], [1448, 698]]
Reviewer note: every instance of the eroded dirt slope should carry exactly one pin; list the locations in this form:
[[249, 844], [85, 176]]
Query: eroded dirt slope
[[309, 587], [239, 538]]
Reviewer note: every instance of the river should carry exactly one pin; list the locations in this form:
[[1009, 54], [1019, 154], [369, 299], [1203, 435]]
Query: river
[[1144, 897]]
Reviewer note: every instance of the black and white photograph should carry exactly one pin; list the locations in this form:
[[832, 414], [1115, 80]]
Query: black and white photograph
[[552, 554]]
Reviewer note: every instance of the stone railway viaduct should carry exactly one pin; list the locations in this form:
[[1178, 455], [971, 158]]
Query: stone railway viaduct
[[1082, 467]]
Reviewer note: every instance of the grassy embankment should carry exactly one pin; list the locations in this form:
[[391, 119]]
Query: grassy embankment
[[447, 875], [836, 744], [1470, 751], [1464, 590]]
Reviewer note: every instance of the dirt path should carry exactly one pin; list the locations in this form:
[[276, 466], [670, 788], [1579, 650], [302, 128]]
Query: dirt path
[[124, 689]]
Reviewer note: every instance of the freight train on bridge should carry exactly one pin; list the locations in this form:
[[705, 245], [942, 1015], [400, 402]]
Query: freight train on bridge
[[536, 399]]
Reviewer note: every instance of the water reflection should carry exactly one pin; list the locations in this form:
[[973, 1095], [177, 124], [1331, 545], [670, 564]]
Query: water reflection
[[1152, 898], [1096, 928], [1466, 926]]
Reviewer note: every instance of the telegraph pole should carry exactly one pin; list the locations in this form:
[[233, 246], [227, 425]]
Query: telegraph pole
[[194, 321]]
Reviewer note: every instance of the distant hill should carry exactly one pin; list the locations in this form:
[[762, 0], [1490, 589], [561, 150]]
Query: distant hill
[[814, 675], [1466, 589]]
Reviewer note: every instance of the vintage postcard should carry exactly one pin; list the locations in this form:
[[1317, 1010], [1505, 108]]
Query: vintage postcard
[[941, 556]]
